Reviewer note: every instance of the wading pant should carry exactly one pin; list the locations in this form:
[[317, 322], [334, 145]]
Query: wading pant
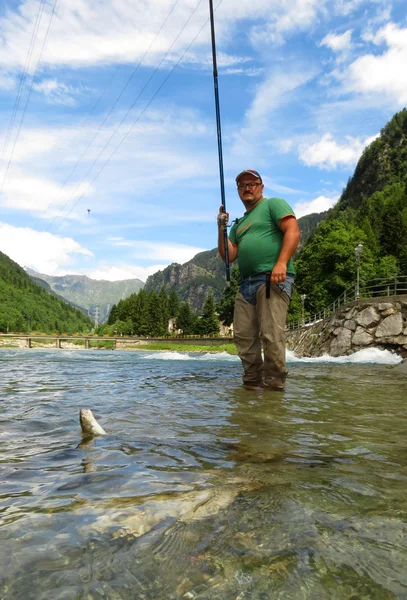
[[259, 320]]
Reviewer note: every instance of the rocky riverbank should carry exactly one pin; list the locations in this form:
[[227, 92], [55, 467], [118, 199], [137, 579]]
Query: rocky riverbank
[[379, 322]]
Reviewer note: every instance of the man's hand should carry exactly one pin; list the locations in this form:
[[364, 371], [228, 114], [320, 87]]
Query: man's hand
[[279, 273], [222, 218]]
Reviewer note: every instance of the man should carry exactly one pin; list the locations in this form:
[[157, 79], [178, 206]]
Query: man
[[263, 241]]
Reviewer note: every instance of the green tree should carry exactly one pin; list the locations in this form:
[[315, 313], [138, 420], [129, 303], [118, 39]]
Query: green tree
[[173, 304], [186, 319], [226, 305], [209, 322]]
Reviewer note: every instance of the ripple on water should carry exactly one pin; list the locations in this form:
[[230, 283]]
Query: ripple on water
[[200, 489]]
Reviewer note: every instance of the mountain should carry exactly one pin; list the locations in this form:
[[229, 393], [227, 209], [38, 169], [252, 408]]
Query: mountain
[[206, 271], [371, 211], [90, 294], [193, 280], [26, 306]]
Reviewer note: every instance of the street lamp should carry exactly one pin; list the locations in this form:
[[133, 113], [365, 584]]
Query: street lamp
[[303, 296], [358, 254]]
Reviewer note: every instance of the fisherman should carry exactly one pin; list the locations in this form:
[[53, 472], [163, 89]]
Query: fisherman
[[264, 241]]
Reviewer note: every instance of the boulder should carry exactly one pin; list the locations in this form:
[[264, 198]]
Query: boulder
[[391, 326], [341, 343], [368, 317], [384, 306], [362, 338], [350, 324]]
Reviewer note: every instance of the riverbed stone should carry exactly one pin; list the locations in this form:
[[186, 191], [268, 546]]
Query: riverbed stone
[[362, 337], [368, 317], [341, 343], [391, 326]]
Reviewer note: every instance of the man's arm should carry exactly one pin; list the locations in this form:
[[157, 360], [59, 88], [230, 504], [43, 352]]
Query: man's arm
[[289, 227], [232, 250]]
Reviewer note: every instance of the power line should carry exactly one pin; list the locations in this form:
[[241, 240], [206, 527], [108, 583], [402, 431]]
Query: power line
[[123, 119], [28, 95], [143, 111], [105, 119], [22, 80]]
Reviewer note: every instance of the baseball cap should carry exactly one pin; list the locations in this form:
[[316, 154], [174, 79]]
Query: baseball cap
[[250, 172]]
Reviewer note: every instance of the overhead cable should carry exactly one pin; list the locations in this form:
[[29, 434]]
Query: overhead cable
[[106, 117], [28, 95], [121, 122], [22, 80], [140, 115]]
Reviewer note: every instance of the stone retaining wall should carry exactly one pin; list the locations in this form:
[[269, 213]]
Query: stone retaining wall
[[379, 322]]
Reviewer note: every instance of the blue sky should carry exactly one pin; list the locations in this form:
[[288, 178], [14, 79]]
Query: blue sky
[[109, 164]]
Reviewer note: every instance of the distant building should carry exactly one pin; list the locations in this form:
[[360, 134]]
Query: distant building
[[172, 327]]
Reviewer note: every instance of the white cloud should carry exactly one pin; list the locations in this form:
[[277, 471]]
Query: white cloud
[[285, 146], [382, 74], [6, 82], [284, 17], [57, 92], [121, 272], [89, 33], [338, 43], [25, 192], [41, 251], [162, 251], [346, 7], [317, 205], [275, 90], [328, 154]]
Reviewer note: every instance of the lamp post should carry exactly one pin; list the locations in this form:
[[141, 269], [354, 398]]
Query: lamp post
[[358, 254], [303, 296]]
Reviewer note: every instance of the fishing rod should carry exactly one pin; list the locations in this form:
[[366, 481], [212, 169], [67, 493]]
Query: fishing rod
[[219, 132]]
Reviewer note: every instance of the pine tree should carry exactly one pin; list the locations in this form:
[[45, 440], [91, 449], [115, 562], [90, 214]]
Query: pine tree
[[143, 316], [226, 305], [163, 302], [209, 322], [173, 304], [186, 319]]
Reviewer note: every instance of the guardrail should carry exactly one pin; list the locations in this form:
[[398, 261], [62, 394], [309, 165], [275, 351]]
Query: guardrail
[[374, 287]]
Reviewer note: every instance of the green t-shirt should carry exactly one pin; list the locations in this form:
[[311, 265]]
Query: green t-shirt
[[258, 237]]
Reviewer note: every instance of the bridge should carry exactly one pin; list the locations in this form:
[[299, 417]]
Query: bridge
[[93, 341]]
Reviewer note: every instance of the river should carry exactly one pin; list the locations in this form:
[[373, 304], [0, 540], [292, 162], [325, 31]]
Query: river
[[201, 489]]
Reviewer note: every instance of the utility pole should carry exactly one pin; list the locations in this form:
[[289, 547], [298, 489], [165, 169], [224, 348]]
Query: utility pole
[[303, 297], [358, 254]]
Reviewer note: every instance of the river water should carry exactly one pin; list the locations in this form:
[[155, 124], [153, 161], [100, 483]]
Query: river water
[[201, 489]]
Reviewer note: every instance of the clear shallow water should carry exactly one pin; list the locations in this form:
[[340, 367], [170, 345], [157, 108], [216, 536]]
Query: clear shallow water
[[201, 489]]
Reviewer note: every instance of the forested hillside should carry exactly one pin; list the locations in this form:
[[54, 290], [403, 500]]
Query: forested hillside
[[372, 210], [26, 306]]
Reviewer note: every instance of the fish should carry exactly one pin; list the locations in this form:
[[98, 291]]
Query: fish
[[89, 424]]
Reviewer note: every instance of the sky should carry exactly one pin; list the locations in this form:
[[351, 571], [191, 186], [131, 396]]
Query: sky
[[109, 157]]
